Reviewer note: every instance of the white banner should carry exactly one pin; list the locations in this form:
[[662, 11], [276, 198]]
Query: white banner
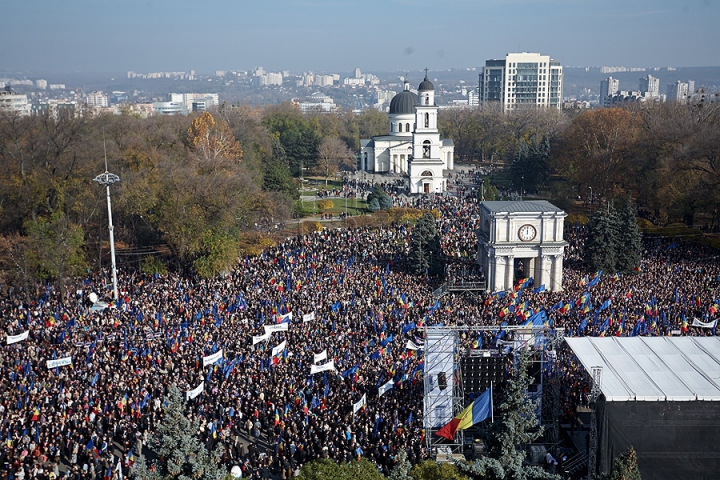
[[280, 327], [357, 406], [322, 368], [320, 356], [195, 391], [210, 359], [277, 350], [17, 338], [60, 362], [384, 388], [261, 338], [308, 317], [411, 345], [287, 316], [696, 323]]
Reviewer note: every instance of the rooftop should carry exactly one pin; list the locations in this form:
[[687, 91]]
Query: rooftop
[[530, 206]]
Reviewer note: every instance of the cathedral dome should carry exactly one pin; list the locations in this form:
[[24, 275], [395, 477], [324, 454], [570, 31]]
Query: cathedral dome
[[426, 85], [404, 102]]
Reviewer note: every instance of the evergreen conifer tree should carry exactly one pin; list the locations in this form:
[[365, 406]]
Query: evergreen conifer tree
[[629, 239], [425, 253], [624, 467], [516, 425], [384, 201], [602, 244], [180, 454], [402, 468]]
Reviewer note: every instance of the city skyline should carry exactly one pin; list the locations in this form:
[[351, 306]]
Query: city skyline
[[324, 35]]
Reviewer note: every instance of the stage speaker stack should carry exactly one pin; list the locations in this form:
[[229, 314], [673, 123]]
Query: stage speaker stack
[[479, 372]]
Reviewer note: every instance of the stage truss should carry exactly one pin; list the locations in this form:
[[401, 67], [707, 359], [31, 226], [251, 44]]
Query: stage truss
[[443, 353]]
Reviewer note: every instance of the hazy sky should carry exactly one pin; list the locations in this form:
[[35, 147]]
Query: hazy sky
[[339, 35]]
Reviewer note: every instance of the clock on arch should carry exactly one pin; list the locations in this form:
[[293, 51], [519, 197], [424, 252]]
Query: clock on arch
[[527, 233]]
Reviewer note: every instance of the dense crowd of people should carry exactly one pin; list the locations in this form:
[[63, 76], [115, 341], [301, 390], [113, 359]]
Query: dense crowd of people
[[339, 303]]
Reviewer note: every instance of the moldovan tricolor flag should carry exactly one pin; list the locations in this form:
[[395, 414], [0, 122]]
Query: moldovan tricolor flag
[[476, 412]]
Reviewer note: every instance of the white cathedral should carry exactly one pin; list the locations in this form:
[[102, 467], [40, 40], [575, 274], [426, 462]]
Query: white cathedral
[[413, 147]]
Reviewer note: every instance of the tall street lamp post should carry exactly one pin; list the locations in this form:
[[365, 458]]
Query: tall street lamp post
[[108, 179]]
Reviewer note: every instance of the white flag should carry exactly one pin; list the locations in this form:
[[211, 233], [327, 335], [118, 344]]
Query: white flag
[[357, 406], [308, 317], [261, 338], [410, 345], [277, 350], [17, 338], [210, 359], [322, 368], [281, 318], [195, 391], [60, 362], [279, 327], [697, 323], [320, 356], [384, 388]]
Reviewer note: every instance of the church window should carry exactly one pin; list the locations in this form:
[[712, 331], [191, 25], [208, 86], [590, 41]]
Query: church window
[[407, 127], [427, 99], [391, 127], [426, 149], [427, 120], [426, 173], [399, 127]]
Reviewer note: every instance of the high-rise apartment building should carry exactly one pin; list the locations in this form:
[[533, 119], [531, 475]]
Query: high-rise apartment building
[[650, 86], [13, 102], [41, 84], [608, 87], [678, 92], [521, 80], [96, 99]]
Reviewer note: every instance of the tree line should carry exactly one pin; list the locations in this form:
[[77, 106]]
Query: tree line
[[189, 185], [667, 155]]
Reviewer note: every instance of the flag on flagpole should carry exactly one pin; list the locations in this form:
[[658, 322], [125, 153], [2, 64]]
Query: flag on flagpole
[[476, 412]]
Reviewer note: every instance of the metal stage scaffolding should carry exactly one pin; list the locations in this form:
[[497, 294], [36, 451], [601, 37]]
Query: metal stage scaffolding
[[443, 396]]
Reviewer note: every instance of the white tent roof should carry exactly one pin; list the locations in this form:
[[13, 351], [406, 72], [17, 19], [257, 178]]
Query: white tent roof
[[653, 368]]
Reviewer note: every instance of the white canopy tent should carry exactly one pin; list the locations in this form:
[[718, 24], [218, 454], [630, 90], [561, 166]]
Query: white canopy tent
[[653, 368]]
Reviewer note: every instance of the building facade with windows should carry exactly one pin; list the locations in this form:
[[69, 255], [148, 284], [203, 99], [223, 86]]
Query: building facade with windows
[[13, 102], [650, 86], [521, 80], [413, 147]]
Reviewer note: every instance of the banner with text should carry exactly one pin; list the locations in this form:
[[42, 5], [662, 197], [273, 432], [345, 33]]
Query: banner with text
[[60, 362], [319, 356], [322, 368], [195, 391], [210, 359], [17, 338]]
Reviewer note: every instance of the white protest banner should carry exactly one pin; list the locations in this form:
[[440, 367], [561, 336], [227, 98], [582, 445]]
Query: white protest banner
[[283, 318], [261, 338], [384, 388], [210, 359], [17, 338], [195, 391], [277, 350], [322, 368], [696, 323], [357, 406], [280, 327], [320, 356], [308, 317], [60, 362], [411, 345]]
